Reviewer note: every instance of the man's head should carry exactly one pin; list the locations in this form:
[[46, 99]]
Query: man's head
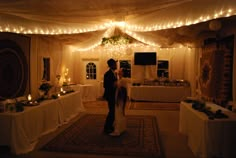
[[112, 64]]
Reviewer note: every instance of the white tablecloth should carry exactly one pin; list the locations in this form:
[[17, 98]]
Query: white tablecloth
[[88, 91], [208, 138], [159, 93], [21, 131], [75, 87]]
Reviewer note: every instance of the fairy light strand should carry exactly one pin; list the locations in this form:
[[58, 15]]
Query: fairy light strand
[[130, 29], [120, 24]]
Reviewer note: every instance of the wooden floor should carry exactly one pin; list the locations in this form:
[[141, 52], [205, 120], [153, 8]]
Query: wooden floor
[[173, 143]]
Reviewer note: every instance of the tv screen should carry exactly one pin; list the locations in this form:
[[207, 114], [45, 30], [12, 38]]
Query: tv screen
[[163, 64], [145, 58]]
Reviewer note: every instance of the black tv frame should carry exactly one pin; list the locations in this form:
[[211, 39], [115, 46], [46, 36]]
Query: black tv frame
[[145, 58]]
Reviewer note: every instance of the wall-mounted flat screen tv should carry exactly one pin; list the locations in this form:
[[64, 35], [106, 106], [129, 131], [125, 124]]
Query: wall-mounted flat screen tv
[[145, 58], [163, 64]]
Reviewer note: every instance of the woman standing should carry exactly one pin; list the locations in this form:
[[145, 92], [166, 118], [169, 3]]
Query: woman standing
[[121, 98]]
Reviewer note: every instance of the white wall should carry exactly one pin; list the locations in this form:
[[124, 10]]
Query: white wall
[[182, 63]]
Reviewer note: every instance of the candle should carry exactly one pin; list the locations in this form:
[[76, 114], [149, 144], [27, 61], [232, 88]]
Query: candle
[[61, 89], [58, 95], [29, 97]]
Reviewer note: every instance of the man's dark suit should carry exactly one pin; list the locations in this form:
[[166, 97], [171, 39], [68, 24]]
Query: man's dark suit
[[109, 94]]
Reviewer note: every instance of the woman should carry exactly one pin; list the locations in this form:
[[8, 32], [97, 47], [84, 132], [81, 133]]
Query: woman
[[121, 98]]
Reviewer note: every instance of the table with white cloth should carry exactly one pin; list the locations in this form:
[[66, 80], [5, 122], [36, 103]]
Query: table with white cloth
[[159, 93], [75, 87], [22, 130], [88, 91], [208, 138]]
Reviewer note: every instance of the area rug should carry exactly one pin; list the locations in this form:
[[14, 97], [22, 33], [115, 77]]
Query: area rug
[[154, 106], [86, 136]]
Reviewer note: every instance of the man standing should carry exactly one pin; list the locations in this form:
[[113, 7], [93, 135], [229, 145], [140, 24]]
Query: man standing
[[109, 84]]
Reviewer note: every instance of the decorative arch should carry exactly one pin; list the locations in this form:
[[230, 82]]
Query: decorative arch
[[14, 75]]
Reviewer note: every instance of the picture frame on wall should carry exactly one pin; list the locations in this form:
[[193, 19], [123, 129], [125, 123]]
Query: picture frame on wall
[[46, 69]]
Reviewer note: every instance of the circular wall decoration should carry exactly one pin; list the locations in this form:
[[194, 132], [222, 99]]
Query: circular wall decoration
[[13, 70]]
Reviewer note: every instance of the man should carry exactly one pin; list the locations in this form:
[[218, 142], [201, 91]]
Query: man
[[109, 84]]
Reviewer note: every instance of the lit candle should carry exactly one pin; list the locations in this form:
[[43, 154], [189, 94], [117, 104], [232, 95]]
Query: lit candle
[[61, 89], [58, 95], [69, 79], [29, 97]]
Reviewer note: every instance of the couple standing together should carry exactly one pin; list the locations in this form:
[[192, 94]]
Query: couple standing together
[[116, 94]]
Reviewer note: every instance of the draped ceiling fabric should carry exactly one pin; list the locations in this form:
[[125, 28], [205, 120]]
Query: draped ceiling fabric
[[84, 23]]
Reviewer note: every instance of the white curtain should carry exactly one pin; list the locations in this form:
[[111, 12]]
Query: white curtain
[[60, 57]]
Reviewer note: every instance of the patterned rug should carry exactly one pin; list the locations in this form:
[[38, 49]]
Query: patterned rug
[[86, 137], [154, 106]]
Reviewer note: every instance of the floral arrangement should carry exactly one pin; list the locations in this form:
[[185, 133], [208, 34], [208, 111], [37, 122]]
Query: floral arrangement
[[116, 40], [45, 87]]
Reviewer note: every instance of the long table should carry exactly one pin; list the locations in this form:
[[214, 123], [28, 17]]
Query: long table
[[208, 138], [88, 91], [22, 130], [159, 93]]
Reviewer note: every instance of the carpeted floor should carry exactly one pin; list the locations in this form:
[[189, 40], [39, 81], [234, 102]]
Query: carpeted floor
[[136, 105], [95, 104], [154, 106], [86, 136]]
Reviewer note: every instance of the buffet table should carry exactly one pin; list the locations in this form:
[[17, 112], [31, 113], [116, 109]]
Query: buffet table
[[208, 138], [21, 130], [159, 93]]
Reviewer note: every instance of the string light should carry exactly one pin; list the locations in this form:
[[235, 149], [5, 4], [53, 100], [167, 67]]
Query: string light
[[129, 29], [140, 38], [120, 24]]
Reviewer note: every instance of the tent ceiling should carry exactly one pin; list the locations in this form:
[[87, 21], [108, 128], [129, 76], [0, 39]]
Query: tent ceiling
[[83, 24]]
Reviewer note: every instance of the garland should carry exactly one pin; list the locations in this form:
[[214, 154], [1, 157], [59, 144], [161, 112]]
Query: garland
[[116, 40]]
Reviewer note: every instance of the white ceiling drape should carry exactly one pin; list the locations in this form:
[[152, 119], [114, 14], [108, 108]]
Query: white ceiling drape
[[84, 23]]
